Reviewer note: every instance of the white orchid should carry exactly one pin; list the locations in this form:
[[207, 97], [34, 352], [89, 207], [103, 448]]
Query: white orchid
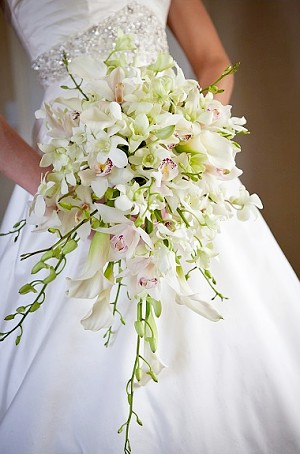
[[246, 204], [185, 296], [90, 282]]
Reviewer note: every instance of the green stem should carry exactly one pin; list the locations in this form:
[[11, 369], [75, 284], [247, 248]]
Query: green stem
[[67, 235], [17, 229], [127, 447], [179, 211], [77, 86], [229, 70], [222, 297], [42, 292]]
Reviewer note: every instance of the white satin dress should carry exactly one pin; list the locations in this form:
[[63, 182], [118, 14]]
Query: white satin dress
[[231, 387]]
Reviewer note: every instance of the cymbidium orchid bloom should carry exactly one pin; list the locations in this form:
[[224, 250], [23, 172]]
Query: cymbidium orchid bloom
[[142, 278], [124, 240], [219, 151], [59, 122]]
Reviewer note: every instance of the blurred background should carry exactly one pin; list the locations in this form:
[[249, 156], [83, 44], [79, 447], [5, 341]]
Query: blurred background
[[264, 35]]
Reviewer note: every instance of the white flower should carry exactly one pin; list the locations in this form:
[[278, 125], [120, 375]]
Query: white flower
[[55, 154], [87, 67], [246, 204], [103, 146], [185, 296], [90, 283], [100, 316], [167, 171], [124, 240]]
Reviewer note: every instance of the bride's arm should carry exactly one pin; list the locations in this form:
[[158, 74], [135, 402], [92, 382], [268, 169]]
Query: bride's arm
[[194, 30], [18, 161]]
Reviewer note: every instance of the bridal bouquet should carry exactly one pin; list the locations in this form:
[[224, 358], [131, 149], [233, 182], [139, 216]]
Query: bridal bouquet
[[141, 160]]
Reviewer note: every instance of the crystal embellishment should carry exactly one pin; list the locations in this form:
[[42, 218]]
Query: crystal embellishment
[[149, 35]]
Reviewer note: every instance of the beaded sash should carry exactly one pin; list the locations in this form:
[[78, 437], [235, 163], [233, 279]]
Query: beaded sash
[[98, 40]]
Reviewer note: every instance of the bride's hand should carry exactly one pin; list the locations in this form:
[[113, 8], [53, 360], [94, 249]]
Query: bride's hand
[[18, 160]]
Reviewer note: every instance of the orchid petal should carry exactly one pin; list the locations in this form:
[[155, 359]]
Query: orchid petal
[[100, 316], [99, 186], [86, 67], [118, 157], [199, 306], [111, 214]]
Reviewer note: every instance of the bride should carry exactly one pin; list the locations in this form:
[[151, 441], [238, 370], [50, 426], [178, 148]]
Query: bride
[[231, 387]]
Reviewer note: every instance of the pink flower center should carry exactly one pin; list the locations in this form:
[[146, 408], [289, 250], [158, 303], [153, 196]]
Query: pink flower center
[[168, 168], [119, 243], [103, 169], [215, 111], [147, 282]]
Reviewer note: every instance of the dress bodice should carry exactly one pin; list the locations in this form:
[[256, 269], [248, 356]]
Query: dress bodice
[[42, 24]]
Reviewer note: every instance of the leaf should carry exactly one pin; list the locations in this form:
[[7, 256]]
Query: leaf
[[148, 226], [18, 338], [164, 133], [10, 317]]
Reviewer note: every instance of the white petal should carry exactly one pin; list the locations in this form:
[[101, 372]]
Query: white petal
[[120, 176], [99, 186], [97, 256], [85, 288], [115, 110], [199, 306], [218, 148], [111, 214], [96, 119], [100, 315], [86, 176], [123, 203], [39, 206], [86, 67], [118, 157]]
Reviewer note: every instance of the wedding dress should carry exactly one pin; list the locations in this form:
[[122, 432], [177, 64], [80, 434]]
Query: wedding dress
[[231, 387]]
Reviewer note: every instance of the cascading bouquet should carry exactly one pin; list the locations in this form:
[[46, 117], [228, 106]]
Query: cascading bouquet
[[141, 158]]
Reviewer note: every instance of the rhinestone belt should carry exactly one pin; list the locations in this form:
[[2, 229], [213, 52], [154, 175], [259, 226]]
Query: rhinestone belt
[[98, 40]]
